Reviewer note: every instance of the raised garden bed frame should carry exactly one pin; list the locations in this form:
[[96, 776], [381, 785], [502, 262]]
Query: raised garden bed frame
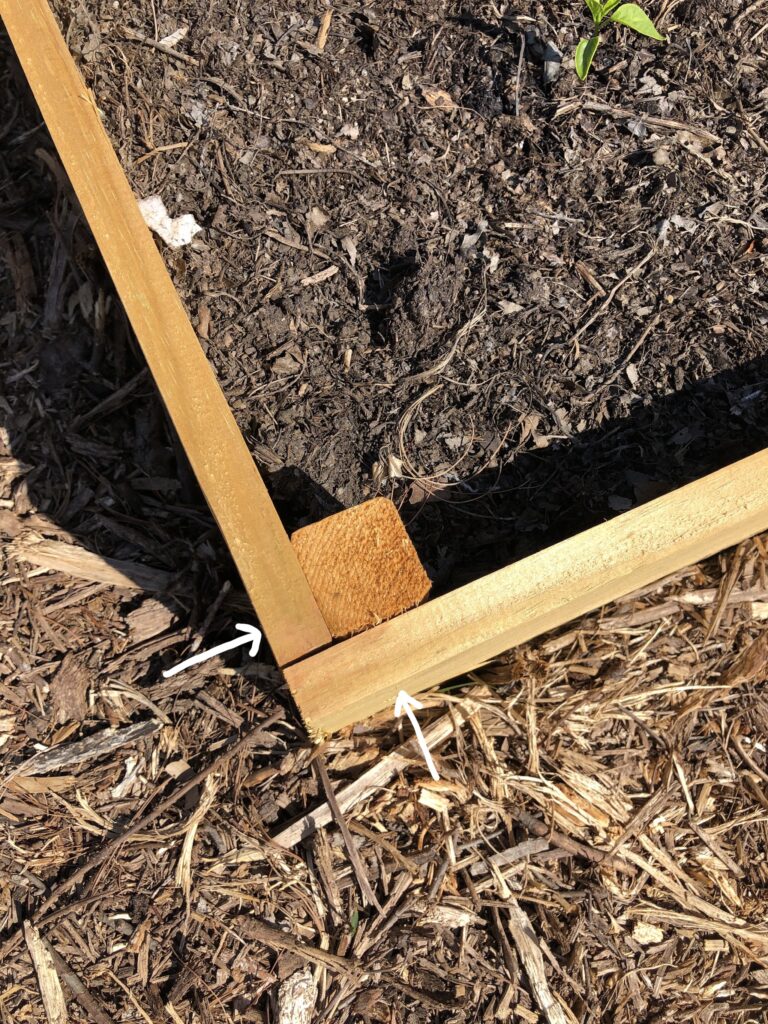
[[336, 684]]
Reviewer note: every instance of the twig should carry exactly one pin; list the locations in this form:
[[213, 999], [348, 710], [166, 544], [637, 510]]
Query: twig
[[325, 27], [205, 626], [656, 122], [748, 127], [376, 777], [97, 745], [374, 837], [354, 857], [747, 12], [111, 402], [519, 74], [183, 874], [611, 296], [136, 37], [635, 348], [92, 1006], [463, 332], [725, 589], [142, 1013], [577, 849], [524, 938], [647, 811], [747, 758], [718, 851]]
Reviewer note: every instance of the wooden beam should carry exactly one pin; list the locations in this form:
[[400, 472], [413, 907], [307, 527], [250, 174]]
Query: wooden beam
[[458, 632], [206, 427]]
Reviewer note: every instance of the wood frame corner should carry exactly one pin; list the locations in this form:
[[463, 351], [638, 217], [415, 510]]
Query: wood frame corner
[[337, 685]]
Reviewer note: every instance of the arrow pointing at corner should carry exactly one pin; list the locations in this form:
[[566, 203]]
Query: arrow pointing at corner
[[406, 704], [252, 636]]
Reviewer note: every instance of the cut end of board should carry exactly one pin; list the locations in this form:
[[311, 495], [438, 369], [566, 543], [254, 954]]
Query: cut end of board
[[361, 566]]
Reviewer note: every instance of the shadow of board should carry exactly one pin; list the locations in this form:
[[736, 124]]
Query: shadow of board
[[546, 495], [119, 480], [86, 453]]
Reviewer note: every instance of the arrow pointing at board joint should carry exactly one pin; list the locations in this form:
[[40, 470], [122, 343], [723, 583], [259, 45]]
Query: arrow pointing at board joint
[[406, 704], [252, 636]]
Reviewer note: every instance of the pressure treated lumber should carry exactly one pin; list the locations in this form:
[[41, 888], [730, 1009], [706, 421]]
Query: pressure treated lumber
[[458, 632], [361, 566], [215, 447]]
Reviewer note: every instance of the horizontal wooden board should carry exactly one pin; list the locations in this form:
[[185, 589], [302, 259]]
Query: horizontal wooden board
[[206, 427], [462, 630]]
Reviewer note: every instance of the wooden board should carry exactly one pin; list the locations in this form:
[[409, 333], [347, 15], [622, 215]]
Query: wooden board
[[206, 427], [458, 632], [361, 565]]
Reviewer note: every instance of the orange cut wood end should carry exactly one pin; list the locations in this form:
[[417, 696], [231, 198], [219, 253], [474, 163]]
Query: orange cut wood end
[[361, 566]]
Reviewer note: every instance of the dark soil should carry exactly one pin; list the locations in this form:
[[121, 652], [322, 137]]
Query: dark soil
[[546, 305]]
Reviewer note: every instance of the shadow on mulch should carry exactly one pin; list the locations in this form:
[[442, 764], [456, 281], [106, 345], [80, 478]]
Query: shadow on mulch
[[540, 498]]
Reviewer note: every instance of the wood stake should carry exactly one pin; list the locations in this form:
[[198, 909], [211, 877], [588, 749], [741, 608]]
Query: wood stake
[[204, 422], [361, 566]]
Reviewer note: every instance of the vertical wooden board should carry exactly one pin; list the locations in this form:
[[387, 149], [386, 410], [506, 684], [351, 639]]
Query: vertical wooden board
[[206, 427], [458, 632]]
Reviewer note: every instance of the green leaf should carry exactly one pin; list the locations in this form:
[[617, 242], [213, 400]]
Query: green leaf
[[353, 922], [585, 51], [609, 5], [634, 17], [595, 9]]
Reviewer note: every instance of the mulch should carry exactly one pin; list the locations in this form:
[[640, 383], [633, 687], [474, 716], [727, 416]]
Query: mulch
[[595, 848]]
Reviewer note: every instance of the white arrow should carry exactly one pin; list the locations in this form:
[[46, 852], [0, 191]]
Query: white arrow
[[252, 637], [406, 704]]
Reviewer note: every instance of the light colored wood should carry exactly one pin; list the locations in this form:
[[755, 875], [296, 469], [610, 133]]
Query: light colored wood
[[361, 566], [458, 632], [215, 447], [51, 991], [87, 565], [528, 949]]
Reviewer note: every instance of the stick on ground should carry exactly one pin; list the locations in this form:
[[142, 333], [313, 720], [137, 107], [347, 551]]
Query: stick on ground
[[376, 777], [354, 857], [524, 938], [47, 977]]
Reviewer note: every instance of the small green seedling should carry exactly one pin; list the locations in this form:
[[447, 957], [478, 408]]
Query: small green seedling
[[631, 15]]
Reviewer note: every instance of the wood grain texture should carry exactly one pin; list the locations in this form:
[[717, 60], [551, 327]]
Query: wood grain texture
[[54, 1003], [458, 632], [361, 566], [215, 447]]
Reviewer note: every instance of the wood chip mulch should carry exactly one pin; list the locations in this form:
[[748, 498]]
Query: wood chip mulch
[[594, 849]]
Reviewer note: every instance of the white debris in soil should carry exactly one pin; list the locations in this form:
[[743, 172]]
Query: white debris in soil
[[646, 934], [296, 999], [175, 231], [175, 37]]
